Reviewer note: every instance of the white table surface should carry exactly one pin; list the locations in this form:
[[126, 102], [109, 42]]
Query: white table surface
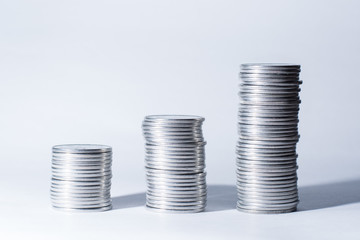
[[327, 211]]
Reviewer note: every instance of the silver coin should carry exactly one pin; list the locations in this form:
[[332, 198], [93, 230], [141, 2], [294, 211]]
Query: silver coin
[[175, 118], [176, 193], [178, 199], [175, 151], [175, 206], [171, 127], [261, 91], [268, 208], [171, 145], [174, 155], [174, 202], [176, 162], [82, 155], [176, 188], [270, 70], [265, 178], [81, 168], [67, 175], [169, 168], [174, 178], [80, 201], [257, 176], [80, 177], [251, 210], [89, 181], [75, 190], [253, 157], [164, 160], [263, 81], [272, 206], [170, 210], [268, 171], [266, 152], [174, 183], [269, 99], [72, 161], [266, 166], [267, 147], [266, 205], [277, 194], [80, 171], [268, 73], [159, 174], [284, 66], [97, 209], [174, 172], [176, 147], [250, 189], [178, 205], [179, 166], [288, 79], [81, 148], [80, 192], [268, 128], [270, 202], [81, 206], [260, 186], [249, 153], [248, 182]]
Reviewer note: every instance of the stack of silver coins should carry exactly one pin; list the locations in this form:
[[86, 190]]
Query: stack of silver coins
[[268, 134], [81, 177], [175, 163]]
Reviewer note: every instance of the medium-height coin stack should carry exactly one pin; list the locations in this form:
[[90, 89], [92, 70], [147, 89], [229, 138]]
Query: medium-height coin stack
[[81, 177], [268, 133], [175, 163]]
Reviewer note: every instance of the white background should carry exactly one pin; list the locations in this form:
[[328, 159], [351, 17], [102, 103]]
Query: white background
[[89, 71]]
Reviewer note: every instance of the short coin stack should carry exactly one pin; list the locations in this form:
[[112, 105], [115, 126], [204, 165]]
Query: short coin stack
[[268, 134], [175, 163], [81, 177]]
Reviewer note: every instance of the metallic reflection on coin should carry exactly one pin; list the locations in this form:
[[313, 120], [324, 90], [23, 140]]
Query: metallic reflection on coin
[[81, 177], [175, 163], [268, 134]]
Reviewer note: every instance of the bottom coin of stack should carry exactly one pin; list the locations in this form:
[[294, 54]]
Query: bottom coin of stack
[[175, 163], [81, 177]]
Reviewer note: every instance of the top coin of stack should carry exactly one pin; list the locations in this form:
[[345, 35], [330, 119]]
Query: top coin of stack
[[268, 133], [81, 177], [175, 163]]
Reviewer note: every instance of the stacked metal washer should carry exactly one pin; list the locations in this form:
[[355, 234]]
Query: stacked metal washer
[[175, 163], [81, 177], [268, 134]]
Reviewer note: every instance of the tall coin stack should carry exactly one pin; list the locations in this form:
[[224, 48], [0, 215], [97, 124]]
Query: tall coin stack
[[268, 134], [175, 163], [81, 177]]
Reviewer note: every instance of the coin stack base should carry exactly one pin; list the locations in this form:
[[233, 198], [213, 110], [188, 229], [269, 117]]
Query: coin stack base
[[175, 164], [268, 134], [81, 177]]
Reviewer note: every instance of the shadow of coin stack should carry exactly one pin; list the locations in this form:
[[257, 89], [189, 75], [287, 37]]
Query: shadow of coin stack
[[268, 134], [175, 163], [81, 177]]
